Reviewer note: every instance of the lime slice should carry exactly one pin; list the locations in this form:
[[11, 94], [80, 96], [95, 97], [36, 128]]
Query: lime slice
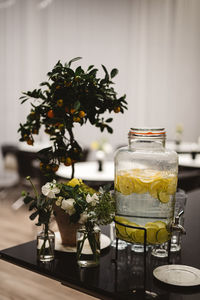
[[163, 197], [162, 235]]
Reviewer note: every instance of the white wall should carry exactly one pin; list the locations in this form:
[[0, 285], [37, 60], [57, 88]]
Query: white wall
[[155, 44]]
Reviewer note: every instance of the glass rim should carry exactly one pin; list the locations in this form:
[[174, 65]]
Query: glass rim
[[148, 132]]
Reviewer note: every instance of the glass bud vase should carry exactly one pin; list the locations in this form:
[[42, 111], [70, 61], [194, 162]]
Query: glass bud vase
[[88, 246], [45, 244]]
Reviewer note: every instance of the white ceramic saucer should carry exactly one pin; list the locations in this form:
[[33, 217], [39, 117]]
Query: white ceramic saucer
[[178, 275], [104, 242]]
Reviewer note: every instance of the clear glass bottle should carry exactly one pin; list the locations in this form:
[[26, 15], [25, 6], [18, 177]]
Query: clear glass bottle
[[45, 244], [88, 246], [145, 185]]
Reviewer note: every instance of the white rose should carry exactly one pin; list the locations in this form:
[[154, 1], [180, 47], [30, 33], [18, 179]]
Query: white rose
[[50, 189], [92, 199], [68, 206]]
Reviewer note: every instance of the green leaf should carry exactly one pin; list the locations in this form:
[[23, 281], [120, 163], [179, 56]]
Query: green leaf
[[93, 72], [106, 72], [79, 71], [113, 73], [73, 60], [110, 130], [70, 72], [90, 67], [32, 205], [27, 199], [109, 120], [24, 100], [34, 215], [45, 150], [77, 105]]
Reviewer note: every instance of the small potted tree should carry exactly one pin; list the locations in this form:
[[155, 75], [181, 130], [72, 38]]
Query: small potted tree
[[70, 96]]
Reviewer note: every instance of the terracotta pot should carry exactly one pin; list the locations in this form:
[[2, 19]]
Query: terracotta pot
[[67, 229]]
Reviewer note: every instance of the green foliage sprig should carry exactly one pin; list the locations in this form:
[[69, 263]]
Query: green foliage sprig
[[82, 203], [70, 96]]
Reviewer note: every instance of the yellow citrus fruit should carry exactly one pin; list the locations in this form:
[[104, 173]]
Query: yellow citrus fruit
[[162, 235], [139, 236], [139, 186], [68, 161], [117, 109], [171, 189], [160, 224], [151, 232], [81, 114], [131, 231], [61, 126], [120, 229], [159, 184], [60, 102], [126, 185], [54, 168], [29, 142], [163, 197], [72, 110], [50, 114], [76, 119]]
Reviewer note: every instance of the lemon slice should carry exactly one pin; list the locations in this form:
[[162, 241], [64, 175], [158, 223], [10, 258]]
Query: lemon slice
[[163, 197], [139, 186], [120, 219], [162, 235], [160, 224], [138, 236], [172, 185], [126, 185], [155, 186], [152, 229], [120, 229], [151, 235], [131, 231]]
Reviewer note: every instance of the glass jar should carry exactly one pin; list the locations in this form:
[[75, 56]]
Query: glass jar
[[45, 244], [88, 246], [145, 186]]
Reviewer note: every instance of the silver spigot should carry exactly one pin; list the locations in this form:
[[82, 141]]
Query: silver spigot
[[176, 226]]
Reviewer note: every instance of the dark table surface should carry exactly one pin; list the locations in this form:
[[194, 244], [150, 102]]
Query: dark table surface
[[123, 279]]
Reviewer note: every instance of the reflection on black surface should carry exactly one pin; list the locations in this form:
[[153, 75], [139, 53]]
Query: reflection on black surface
[[124, 278]]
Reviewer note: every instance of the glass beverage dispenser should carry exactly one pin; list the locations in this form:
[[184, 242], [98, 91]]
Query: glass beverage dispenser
[[145, 186]]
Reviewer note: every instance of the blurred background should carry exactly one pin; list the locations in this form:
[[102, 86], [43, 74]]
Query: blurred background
[[155, 45]]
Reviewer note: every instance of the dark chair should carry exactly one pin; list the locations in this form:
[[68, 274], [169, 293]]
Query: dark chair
[[188, 178], [8, 175], [29, 165]]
